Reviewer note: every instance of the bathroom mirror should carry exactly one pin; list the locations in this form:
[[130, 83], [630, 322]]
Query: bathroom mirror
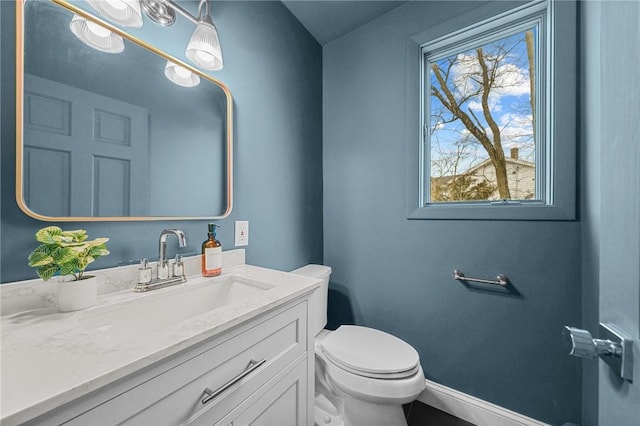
[[106, 136]]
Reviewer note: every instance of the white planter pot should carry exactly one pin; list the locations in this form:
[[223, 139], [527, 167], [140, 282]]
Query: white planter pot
[[76, 295]]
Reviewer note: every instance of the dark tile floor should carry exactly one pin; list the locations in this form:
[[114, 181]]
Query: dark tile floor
[[419, 414]]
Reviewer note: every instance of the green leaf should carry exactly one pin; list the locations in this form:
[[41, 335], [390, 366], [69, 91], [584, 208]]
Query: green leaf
[[69, 267], [63, 240], [44, 248], [40, 256], [98, 251], [47, 271], [45, 235], [77, 249], [63, 255], [78, 235], [98, 241], [83, 263]]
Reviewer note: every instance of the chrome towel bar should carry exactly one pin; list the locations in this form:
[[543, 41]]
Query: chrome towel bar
[[500, 280]]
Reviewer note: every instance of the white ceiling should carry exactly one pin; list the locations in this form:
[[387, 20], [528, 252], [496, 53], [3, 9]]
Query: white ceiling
[[331, 19]]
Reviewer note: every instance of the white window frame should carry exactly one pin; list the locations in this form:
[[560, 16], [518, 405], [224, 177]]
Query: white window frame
[[555, 111]]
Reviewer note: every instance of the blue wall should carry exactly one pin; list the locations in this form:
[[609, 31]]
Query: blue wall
[[273, 69], [395, 274]]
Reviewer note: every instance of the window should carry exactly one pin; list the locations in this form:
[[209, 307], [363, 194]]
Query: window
[[489, 145], [480, 119]]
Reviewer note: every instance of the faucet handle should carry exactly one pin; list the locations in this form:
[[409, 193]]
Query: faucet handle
[[144, 272], [178, 266]]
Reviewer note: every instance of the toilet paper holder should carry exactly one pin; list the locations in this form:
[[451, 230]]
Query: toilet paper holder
[[612, 346]]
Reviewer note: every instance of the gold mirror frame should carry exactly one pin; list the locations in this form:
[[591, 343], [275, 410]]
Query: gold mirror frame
[[20, 29]]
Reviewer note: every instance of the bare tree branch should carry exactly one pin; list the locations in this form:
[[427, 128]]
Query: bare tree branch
[[469, 82]]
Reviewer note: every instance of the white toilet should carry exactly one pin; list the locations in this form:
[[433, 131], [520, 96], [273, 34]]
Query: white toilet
[[363, 375]]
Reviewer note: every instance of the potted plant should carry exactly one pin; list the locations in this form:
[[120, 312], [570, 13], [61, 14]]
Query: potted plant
[[68, 253]]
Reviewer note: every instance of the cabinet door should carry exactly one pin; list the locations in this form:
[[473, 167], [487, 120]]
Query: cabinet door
[[281, 402], [283, 405]]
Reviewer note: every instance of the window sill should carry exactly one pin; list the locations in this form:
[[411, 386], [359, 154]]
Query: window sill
[[529, 211]]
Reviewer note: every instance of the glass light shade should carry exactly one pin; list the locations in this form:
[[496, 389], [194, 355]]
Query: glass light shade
[[123, 12], [96, 36], [204, 46], [180, 75]]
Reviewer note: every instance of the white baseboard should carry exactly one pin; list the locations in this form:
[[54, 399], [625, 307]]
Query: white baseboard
[[472, 409]]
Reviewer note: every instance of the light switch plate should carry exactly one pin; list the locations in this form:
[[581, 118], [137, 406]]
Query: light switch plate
[[242, 233]]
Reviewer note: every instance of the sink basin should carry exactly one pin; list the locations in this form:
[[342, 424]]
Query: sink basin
[[156, 310]]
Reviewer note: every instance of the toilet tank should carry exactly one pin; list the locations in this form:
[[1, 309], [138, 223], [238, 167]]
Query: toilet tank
[[318, 300]]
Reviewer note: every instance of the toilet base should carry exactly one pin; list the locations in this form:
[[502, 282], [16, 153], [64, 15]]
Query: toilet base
[[357, 413], [326, 418]]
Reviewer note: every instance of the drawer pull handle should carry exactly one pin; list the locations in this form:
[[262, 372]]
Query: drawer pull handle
[[209, 394]]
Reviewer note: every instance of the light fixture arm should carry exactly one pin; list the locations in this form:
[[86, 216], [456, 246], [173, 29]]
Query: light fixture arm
[[206, 16], [163, 12], [204, 3], [175, 6]]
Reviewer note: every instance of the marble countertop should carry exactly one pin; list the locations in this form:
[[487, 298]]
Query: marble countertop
[[49, 358]]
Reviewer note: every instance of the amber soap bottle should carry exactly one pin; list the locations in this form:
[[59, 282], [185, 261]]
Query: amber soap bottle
[[211, 254]]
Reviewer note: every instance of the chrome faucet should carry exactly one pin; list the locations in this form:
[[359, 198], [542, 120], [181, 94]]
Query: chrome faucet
[[163, 262], [166, 276]]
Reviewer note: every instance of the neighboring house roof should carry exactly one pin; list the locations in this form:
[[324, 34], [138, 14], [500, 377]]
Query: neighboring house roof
[[520, 175], [486, 162]]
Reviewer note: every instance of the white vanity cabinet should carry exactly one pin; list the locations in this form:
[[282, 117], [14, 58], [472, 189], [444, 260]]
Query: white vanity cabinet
[[275, 345]]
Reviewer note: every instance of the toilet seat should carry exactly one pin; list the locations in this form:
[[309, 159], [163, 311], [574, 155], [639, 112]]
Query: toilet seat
[[371, 353]]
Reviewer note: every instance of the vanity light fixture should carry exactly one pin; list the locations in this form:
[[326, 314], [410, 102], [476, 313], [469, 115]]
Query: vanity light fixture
[[204, 46], [180, 75], [96, 36], [123, 12]]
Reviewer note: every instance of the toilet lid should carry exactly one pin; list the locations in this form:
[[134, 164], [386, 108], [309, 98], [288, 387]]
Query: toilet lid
[[371, 353]]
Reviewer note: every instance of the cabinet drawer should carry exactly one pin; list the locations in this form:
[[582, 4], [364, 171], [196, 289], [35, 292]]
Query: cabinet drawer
[[176, 395], [281, 402]]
